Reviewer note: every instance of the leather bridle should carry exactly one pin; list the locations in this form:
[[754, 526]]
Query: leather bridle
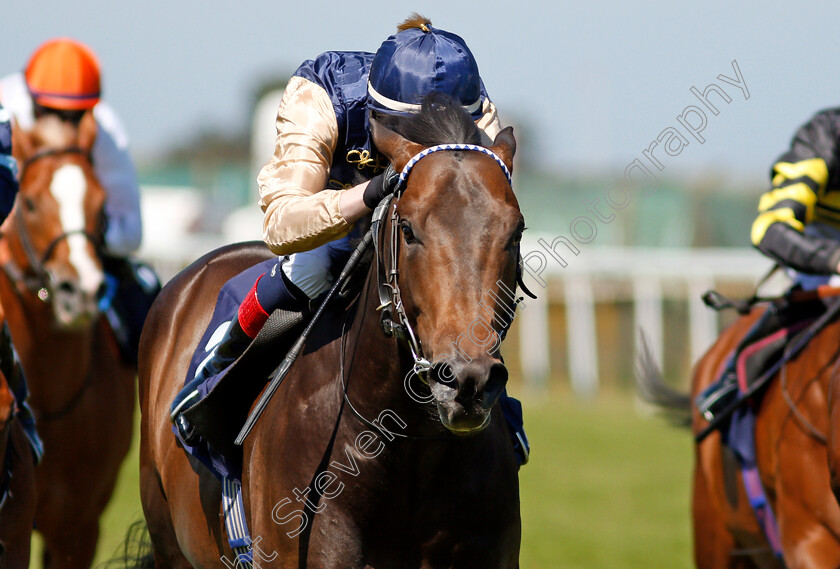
[[390, 299], [39, 280]]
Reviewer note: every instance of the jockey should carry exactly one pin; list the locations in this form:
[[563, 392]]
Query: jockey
[[798, 223], [9, 361], [62, 78], [310, 191]]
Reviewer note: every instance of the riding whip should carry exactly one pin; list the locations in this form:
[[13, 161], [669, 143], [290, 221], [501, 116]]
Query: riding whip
[[292, 355]]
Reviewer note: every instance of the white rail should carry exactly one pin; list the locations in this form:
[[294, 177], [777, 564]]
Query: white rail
[[648, 271]]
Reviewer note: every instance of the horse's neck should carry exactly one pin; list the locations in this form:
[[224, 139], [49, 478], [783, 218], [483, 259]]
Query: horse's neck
[[45, 350]]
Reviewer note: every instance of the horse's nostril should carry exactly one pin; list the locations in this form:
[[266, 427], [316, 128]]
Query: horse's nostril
[[496, 380], [67, 287], [444, 373]]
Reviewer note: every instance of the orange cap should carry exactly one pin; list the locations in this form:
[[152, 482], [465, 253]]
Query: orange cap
[[63, 74]]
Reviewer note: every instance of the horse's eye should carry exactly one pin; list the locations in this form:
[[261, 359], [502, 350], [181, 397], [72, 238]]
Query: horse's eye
[[408, 234], [516, 239]]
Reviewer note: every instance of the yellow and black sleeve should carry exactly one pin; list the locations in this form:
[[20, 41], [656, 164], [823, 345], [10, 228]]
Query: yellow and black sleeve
[[799, 181]]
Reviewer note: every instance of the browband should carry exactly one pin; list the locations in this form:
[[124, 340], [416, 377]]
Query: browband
[[432, 149]]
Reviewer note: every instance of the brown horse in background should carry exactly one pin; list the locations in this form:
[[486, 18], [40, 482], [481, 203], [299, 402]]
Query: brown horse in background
[[17, 513], [790, 428], [344, 469], [81, 391]]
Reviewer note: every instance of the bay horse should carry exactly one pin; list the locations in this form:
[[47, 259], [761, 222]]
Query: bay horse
[[17, 485], [82, 393], [345, 469], [791, 425]]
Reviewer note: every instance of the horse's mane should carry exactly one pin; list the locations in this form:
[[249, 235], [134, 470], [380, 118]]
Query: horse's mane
[[441, 120]]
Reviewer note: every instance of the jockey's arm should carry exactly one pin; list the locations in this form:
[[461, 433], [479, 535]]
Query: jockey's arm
[[115, 171], [298, 214], [799, 177]]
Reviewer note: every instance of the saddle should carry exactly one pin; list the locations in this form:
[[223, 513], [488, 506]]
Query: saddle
[[783, 330]]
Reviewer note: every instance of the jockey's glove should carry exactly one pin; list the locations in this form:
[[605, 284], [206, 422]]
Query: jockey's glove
[[380, 186]]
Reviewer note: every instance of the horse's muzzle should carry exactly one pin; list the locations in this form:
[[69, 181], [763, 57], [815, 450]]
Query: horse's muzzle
[[465, 395], [73, 306]]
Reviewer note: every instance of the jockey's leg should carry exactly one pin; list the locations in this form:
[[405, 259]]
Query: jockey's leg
[[132, 288], [290, 285], [12, 369]]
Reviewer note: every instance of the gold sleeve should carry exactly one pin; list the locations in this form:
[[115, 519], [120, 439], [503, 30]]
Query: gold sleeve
[[299, 214]]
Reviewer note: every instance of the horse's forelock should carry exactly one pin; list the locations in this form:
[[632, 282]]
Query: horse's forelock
[[51, 132], [441, 120]]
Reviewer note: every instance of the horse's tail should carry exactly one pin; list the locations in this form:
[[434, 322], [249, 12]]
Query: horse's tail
[[137, 550], [675, 405]]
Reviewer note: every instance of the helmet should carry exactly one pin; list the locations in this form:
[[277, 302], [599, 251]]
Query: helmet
[[420, 59], [63, 74]]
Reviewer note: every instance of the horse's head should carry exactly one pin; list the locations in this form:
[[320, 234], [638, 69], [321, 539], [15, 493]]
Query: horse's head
[[457, 228], [56, 220]]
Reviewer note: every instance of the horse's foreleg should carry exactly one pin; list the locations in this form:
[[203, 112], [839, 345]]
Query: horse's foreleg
[[70, 547], [809, 519], [805, 544]]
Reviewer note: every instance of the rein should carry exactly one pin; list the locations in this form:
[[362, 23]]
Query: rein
[[342, 345]]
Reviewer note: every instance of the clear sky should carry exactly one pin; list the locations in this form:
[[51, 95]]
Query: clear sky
[[592, 83]]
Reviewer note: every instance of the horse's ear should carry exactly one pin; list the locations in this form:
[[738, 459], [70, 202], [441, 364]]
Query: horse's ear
[[87, 131], [397, 150], [504, 146], [22, 144]]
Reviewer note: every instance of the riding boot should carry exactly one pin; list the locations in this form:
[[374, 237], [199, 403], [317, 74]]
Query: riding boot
[[131, 288], [512, 411], [275, 292], [233, 343]]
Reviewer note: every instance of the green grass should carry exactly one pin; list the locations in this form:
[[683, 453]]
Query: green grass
[[606, 488]]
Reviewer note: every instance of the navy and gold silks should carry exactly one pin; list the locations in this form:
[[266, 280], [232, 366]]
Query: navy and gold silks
[[344, 76]]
